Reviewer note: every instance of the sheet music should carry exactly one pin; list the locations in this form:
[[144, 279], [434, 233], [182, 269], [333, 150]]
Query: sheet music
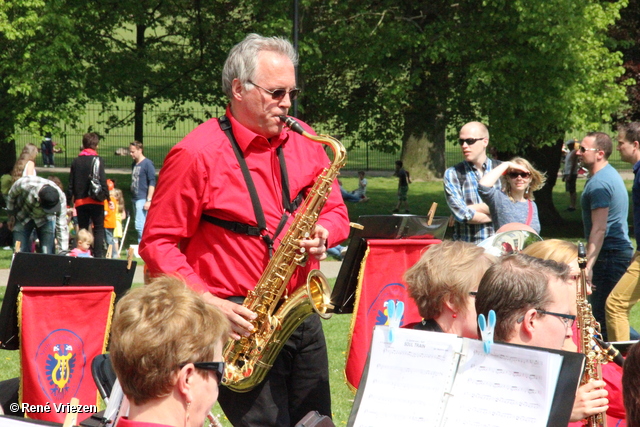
[[512, 386], [408, 378]]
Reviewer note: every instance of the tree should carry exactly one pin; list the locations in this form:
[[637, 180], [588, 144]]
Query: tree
[[626, 33], [38, 72], [393, 71], [155, 51]]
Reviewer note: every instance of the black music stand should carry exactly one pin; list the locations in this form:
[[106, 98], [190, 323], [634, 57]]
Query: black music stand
[[378, 227], [31, 269]]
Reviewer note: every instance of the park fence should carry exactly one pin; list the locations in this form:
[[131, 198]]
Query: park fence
[[158, 140]]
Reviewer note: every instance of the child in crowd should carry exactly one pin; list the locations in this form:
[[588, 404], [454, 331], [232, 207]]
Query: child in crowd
[[361, 191], [110, 209], [121, 214], [85, 240], [404, 179]]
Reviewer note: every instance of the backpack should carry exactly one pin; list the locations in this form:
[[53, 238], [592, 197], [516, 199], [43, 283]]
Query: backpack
[[95, 188]]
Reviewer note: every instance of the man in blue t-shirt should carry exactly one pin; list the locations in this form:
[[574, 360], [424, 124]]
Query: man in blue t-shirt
[[627, 292], [605, 206], [143, 184]]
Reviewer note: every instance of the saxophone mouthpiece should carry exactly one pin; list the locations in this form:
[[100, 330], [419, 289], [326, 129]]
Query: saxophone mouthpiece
[[292, 124]]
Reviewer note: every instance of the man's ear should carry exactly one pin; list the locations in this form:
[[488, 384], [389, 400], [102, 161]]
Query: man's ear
[[528, 325], [636, 145], [236, 89]]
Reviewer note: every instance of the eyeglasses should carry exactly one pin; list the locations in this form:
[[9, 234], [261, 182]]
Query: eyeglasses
[[279, 94], [582, 149], [514, 175], [469, 141], [216, 367], [567, 319]]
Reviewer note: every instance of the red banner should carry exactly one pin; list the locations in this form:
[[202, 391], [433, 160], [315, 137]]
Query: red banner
[[61, 330], [380, 280]]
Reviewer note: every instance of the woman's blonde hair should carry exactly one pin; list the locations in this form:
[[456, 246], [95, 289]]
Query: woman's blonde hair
[[447, 271], [85, 235], [156, 329], [117, 193], [29, 153], [537, 179], [553, 249]]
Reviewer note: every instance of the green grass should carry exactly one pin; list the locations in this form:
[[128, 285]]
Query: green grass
[[382, 192]]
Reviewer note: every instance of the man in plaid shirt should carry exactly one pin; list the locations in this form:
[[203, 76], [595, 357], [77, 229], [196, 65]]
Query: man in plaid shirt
[[35, 202], [472, 218]]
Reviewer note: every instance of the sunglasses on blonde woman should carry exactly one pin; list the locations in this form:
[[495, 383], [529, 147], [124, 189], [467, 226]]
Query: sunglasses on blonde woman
[[514, 175], [216, 367]]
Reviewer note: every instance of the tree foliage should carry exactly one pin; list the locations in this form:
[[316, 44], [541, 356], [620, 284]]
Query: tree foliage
[[401, 73], [39, 73], [155, 51], [626, 34]]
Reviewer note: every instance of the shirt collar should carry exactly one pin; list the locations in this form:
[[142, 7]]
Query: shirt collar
[[485, 165], [246, 137], [636, 167]]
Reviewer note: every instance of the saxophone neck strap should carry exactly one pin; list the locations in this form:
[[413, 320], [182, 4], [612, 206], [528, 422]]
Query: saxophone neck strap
[[288, 206]]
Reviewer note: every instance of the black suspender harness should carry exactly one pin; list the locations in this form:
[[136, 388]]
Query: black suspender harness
[[261, 230]]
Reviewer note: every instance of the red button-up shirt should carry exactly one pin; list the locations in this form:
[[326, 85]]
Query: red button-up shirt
[[201, 175]]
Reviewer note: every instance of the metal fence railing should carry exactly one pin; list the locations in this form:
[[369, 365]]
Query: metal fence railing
[[159, 140]]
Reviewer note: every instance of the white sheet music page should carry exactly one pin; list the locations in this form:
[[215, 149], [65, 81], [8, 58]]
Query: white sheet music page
[[407, 378], [511, 386]]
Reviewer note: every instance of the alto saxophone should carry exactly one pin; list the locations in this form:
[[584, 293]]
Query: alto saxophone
[[590, 341], [249, 359]]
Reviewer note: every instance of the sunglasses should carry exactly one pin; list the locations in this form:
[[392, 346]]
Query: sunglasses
[[514, 175], [582, 149], [279, 94], [216, 367], [469, 141]]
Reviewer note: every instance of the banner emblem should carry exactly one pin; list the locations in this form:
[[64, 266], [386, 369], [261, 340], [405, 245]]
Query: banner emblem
[[56, 359]]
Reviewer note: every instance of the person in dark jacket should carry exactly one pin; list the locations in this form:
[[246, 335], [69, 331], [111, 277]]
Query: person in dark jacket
[[89, 209]]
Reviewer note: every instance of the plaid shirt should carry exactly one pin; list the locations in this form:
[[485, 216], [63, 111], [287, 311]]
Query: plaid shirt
[[461, 195], [25, 206]]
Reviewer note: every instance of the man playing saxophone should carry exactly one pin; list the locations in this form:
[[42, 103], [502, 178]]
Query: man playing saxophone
[[217, 216]]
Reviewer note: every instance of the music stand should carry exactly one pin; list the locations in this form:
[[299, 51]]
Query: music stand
[[32, 269], [378, 227]]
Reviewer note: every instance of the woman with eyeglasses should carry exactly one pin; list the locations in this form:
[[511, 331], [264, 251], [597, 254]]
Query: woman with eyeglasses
[[515, 202], [443, 284], [567, 252], [166, 349]]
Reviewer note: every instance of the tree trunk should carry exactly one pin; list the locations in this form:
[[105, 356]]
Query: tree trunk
[[138, 120], [547, 159], [423, 146], [7, 154], [138, 130]]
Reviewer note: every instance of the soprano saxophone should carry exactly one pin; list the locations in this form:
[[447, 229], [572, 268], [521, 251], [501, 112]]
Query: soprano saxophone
[[590, 341], [249, 359]]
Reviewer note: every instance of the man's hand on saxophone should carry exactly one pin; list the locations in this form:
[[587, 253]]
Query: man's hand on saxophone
[[238, 315], [591, 399], [316, 244]]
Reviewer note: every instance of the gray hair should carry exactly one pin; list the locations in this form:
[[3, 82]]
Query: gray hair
[[242, 61]]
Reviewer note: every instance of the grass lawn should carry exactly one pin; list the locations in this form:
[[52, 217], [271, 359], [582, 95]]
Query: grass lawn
[[382, 194]]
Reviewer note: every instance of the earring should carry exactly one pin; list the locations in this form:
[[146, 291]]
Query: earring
[[186, 415], [454, 315]]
